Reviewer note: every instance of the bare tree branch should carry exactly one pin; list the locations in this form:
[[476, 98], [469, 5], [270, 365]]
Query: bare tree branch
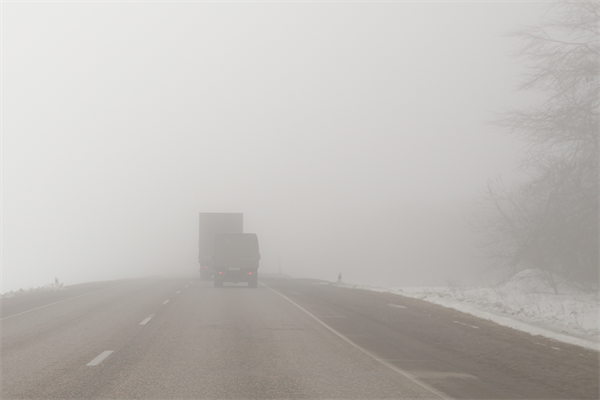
[[550, 221]]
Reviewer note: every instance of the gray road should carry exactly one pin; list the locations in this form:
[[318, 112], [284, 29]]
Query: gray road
[[179, 337]]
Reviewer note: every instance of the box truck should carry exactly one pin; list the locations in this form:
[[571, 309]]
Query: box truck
[[212, 224]]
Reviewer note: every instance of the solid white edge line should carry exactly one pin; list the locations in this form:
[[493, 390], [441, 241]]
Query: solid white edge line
[[144, 322], [402, 372], [100, 358], [56, 302], [178, 292], [166, 301]]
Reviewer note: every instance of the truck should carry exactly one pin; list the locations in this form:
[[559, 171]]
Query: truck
[[212, 224], [235, 258]]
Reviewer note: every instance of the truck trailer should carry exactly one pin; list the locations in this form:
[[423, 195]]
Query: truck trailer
[[212, 224], [235, 258]]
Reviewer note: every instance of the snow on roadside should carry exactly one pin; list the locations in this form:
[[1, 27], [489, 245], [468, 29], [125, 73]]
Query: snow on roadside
[[50, 287], [524, 303]]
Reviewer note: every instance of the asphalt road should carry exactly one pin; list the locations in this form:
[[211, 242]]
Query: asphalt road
[[176, 338]]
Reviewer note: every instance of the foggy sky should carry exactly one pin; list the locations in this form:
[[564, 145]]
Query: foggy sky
[[352, 136]]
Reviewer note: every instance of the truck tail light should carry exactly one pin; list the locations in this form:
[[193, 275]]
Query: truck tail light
[[249, 273], [220, 272]]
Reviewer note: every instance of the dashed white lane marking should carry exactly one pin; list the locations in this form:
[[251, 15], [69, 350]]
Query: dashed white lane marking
[[555, 348], [382, 361], [166, 301], [178, 291], [100, 358], [396, 305], [56, 302], [461, 323], [144, 322]]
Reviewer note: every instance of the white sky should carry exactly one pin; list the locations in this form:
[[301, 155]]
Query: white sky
[[351, 135]]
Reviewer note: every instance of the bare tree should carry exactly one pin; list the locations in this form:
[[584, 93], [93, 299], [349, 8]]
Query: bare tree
[[550, 222]]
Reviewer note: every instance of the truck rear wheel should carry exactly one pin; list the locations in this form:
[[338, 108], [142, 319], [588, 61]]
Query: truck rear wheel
[[218, 282]]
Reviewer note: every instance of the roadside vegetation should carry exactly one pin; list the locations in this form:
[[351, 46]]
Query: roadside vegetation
[[50, 287], [548, 221]]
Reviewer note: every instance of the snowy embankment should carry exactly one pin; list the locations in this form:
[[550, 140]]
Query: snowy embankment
[[525, 303], [51, 287]]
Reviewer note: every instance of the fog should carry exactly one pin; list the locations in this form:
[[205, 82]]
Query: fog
[[352, 136]]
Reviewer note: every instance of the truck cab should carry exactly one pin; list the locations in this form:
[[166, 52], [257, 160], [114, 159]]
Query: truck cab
[[235, 258]]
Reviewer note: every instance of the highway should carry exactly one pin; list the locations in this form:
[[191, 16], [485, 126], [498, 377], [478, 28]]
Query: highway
[[181, 338]]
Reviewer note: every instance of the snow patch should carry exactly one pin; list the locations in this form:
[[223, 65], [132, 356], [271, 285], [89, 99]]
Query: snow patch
[[526, 302]]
